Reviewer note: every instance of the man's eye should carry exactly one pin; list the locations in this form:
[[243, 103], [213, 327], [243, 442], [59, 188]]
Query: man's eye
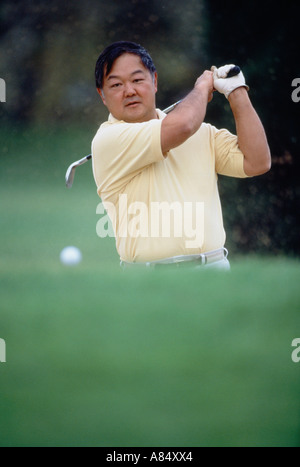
[[116, 85], [137, 80]]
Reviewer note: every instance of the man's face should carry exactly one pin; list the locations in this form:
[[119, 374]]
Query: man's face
[[129, 90]]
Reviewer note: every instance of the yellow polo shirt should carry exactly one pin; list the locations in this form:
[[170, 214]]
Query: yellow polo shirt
[[163, 205]]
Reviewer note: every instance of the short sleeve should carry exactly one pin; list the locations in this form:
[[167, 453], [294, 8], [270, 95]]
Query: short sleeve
[[122, 150], [229, 157]]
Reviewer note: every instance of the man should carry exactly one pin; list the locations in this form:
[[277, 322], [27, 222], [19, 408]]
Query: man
[[157, 174]]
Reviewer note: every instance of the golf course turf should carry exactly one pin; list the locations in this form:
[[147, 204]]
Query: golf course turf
[[96, 356]]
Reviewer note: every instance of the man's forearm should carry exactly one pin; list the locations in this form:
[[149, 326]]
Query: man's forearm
[[251, 134], [187, 117]]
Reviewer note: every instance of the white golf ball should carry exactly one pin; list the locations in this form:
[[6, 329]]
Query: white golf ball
[[70, 256]]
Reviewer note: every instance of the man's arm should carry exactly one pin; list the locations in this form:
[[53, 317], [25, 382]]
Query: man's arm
[[252, 139], [251, 135], [188, 116]]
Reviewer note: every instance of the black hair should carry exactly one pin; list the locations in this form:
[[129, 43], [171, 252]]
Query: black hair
[[112, 52]]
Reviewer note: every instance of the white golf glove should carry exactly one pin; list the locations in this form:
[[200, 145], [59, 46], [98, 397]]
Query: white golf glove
[[226, 85]]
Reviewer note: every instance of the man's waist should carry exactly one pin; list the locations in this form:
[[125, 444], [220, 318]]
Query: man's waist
[[184, 260]]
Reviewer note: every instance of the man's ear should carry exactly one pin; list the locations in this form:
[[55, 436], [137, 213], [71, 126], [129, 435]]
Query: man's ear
[[155, 81], [100, 92]]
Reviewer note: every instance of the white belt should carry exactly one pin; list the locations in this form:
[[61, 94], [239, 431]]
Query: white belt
[[202, 259]]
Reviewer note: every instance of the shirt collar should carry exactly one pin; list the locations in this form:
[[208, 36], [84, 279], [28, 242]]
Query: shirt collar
[[160, 115]]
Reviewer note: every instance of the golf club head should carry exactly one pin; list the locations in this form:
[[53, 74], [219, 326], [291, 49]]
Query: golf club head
[[70, 174]]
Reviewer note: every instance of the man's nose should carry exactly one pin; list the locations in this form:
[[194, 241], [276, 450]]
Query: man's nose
[[129, 89]]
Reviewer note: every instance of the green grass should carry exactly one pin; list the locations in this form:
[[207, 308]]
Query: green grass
[[99, 357]]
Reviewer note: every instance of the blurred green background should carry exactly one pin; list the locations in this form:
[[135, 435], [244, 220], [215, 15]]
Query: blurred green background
[[96, 357]]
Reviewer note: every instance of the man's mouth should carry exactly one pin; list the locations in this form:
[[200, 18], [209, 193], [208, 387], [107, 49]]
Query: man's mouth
[[132, 104]]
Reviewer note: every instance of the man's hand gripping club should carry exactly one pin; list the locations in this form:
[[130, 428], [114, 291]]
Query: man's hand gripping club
[[227, 78]]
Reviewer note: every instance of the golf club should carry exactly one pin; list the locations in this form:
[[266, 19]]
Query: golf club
[[71, 170]]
